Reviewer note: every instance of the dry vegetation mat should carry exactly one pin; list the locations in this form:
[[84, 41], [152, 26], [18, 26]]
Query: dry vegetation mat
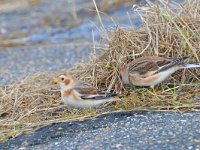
[[35, 101]]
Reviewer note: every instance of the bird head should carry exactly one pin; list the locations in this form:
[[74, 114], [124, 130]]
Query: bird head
[[65, 81]]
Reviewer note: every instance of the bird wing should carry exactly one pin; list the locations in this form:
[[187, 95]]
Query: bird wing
[[85, 89], [174, 62], [100, 96], [148, 66]]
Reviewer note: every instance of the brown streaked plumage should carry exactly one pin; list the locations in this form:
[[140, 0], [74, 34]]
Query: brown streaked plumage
[[67, 93], [152, 70], [67, 81], [86, 89], [80, 94]]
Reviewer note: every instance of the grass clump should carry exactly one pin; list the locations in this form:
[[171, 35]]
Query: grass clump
[[35, 101]]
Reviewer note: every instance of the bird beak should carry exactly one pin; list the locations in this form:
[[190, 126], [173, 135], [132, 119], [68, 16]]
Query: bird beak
[[55, 81]]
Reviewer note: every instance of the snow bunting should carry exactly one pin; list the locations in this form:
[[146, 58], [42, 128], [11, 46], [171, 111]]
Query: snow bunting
[[152, 70], [82, 95]]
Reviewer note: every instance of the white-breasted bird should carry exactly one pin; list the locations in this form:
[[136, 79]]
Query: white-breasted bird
[[152, 70], [82, 95]]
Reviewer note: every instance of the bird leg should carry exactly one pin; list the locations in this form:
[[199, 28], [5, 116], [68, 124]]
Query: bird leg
[[69, 109]]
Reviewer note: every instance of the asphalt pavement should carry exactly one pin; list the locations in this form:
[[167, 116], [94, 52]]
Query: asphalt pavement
[[138, 130]]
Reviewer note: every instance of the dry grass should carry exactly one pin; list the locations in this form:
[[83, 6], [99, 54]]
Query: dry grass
[[35, 101]]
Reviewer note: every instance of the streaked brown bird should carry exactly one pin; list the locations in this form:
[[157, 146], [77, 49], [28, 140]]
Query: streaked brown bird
[[80, 94], [152, 70]]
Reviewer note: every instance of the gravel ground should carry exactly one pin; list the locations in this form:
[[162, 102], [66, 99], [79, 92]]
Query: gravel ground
[[23, 61], [133, 130], [53, 46]]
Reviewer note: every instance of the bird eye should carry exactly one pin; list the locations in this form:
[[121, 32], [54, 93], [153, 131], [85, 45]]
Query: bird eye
[[62, 79]]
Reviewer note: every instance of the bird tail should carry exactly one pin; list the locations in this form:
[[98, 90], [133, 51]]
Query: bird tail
[[107, 94], [102, 96], [180, 59], [111, 96], [192, 65]]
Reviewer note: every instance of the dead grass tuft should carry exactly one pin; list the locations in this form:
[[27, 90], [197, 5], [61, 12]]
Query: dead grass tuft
[[35, 101]]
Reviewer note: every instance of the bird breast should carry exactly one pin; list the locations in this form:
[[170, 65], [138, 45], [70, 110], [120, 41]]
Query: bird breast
[[67, 93]]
